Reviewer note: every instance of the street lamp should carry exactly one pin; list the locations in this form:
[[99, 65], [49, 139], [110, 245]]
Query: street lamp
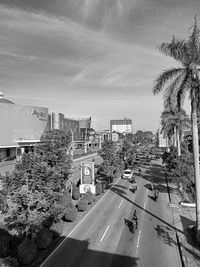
[[72, 133], [18, 144]]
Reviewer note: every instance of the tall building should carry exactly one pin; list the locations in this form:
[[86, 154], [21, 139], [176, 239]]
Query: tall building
[[21, 127], [84, 126], [79, 127], [57, 120], [123, 126]]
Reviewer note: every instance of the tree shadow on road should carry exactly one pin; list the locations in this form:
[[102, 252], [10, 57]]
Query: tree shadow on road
[[122, 194], [189, 232], [75, 253], [121, 186], [166, 234]]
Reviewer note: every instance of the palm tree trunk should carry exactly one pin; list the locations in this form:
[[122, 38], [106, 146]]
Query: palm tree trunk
[[195, 143], [175, 137], [178, 143]]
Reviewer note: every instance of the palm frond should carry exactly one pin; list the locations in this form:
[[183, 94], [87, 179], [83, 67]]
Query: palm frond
[[176, 49], [194, 43], [169, 96], [164, 78]]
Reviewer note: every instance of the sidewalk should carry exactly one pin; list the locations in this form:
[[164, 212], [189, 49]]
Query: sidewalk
[[183, 219]]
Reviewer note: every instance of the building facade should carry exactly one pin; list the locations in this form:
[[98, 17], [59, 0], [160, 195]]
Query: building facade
[[21, 127], [123, 126], [80, 128]]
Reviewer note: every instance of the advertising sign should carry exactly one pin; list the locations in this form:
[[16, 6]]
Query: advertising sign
[[87, 177]]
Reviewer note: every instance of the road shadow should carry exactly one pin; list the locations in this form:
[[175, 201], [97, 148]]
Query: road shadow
[[121, 186], [166, 234], [122, 194], [152, 198], [75, 253], [156, 175], [189, 232]]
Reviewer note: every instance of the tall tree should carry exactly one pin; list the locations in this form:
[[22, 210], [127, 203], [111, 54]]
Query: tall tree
[[179, 81], [174, 122]]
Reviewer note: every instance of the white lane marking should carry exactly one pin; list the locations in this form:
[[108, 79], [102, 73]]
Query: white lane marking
[[120, 204], [104, 233], [137, 245], [77, 225], [144, 205]]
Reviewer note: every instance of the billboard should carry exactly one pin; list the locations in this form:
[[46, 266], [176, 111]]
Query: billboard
[[87, 177]]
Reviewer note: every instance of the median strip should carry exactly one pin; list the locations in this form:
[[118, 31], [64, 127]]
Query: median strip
[[104, 233]]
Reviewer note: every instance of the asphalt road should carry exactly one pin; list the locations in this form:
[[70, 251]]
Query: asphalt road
[[103, 239]]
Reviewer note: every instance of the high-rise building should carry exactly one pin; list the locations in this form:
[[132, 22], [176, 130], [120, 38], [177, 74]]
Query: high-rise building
[[123, 126], [21, 127]]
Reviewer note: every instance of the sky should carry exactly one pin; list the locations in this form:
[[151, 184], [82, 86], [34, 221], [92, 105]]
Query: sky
[[95, 58]]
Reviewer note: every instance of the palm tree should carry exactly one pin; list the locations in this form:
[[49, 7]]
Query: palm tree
[[167, 128], [174, 122], [179, 81]]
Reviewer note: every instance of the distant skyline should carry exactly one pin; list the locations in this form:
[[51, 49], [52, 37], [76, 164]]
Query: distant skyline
[[95, 58]]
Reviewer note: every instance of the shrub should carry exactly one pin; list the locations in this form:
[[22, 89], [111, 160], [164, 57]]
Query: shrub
[[3, 202], [9, 262], [44, 238], [75, 193], [5, 240], [82, 204], [98, 189], [57, 228], [27, 251], [89, 197], [70, 215]]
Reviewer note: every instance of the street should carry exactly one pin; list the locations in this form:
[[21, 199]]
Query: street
[[103, 239]]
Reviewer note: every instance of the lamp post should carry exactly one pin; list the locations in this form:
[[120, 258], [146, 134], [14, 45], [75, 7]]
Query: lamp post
[[72, 133], [18, 144]]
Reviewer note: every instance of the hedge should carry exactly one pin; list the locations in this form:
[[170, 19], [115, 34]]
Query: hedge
[[89, 197], [82, 204], [27, 251], [75, 193], [70, 215], [98, 189]]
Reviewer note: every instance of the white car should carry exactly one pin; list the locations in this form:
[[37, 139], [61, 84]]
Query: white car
[[127, 174]]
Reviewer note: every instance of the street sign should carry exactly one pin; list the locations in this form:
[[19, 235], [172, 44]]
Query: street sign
[[87, 173], [87, 177]]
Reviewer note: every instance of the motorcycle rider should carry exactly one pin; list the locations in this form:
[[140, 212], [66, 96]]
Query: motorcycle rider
[[135, 219]]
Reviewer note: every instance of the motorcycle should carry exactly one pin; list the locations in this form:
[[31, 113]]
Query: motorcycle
[[156, 196], [134, 189]]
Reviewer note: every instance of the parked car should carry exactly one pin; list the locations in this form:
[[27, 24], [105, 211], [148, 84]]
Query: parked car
[[127, 174]]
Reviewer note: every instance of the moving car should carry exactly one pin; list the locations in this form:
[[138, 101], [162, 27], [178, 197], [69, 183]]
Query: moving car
[[127, 174]]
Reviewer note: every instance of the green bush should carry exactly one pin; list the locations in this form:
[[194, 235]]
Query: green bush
[[89, 197], [27, 251], [57, 228], [5, 241], [9, 262], [98, 189], [3, 202], [70, 214], [44, 238], [75, 193], [82, 204]]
